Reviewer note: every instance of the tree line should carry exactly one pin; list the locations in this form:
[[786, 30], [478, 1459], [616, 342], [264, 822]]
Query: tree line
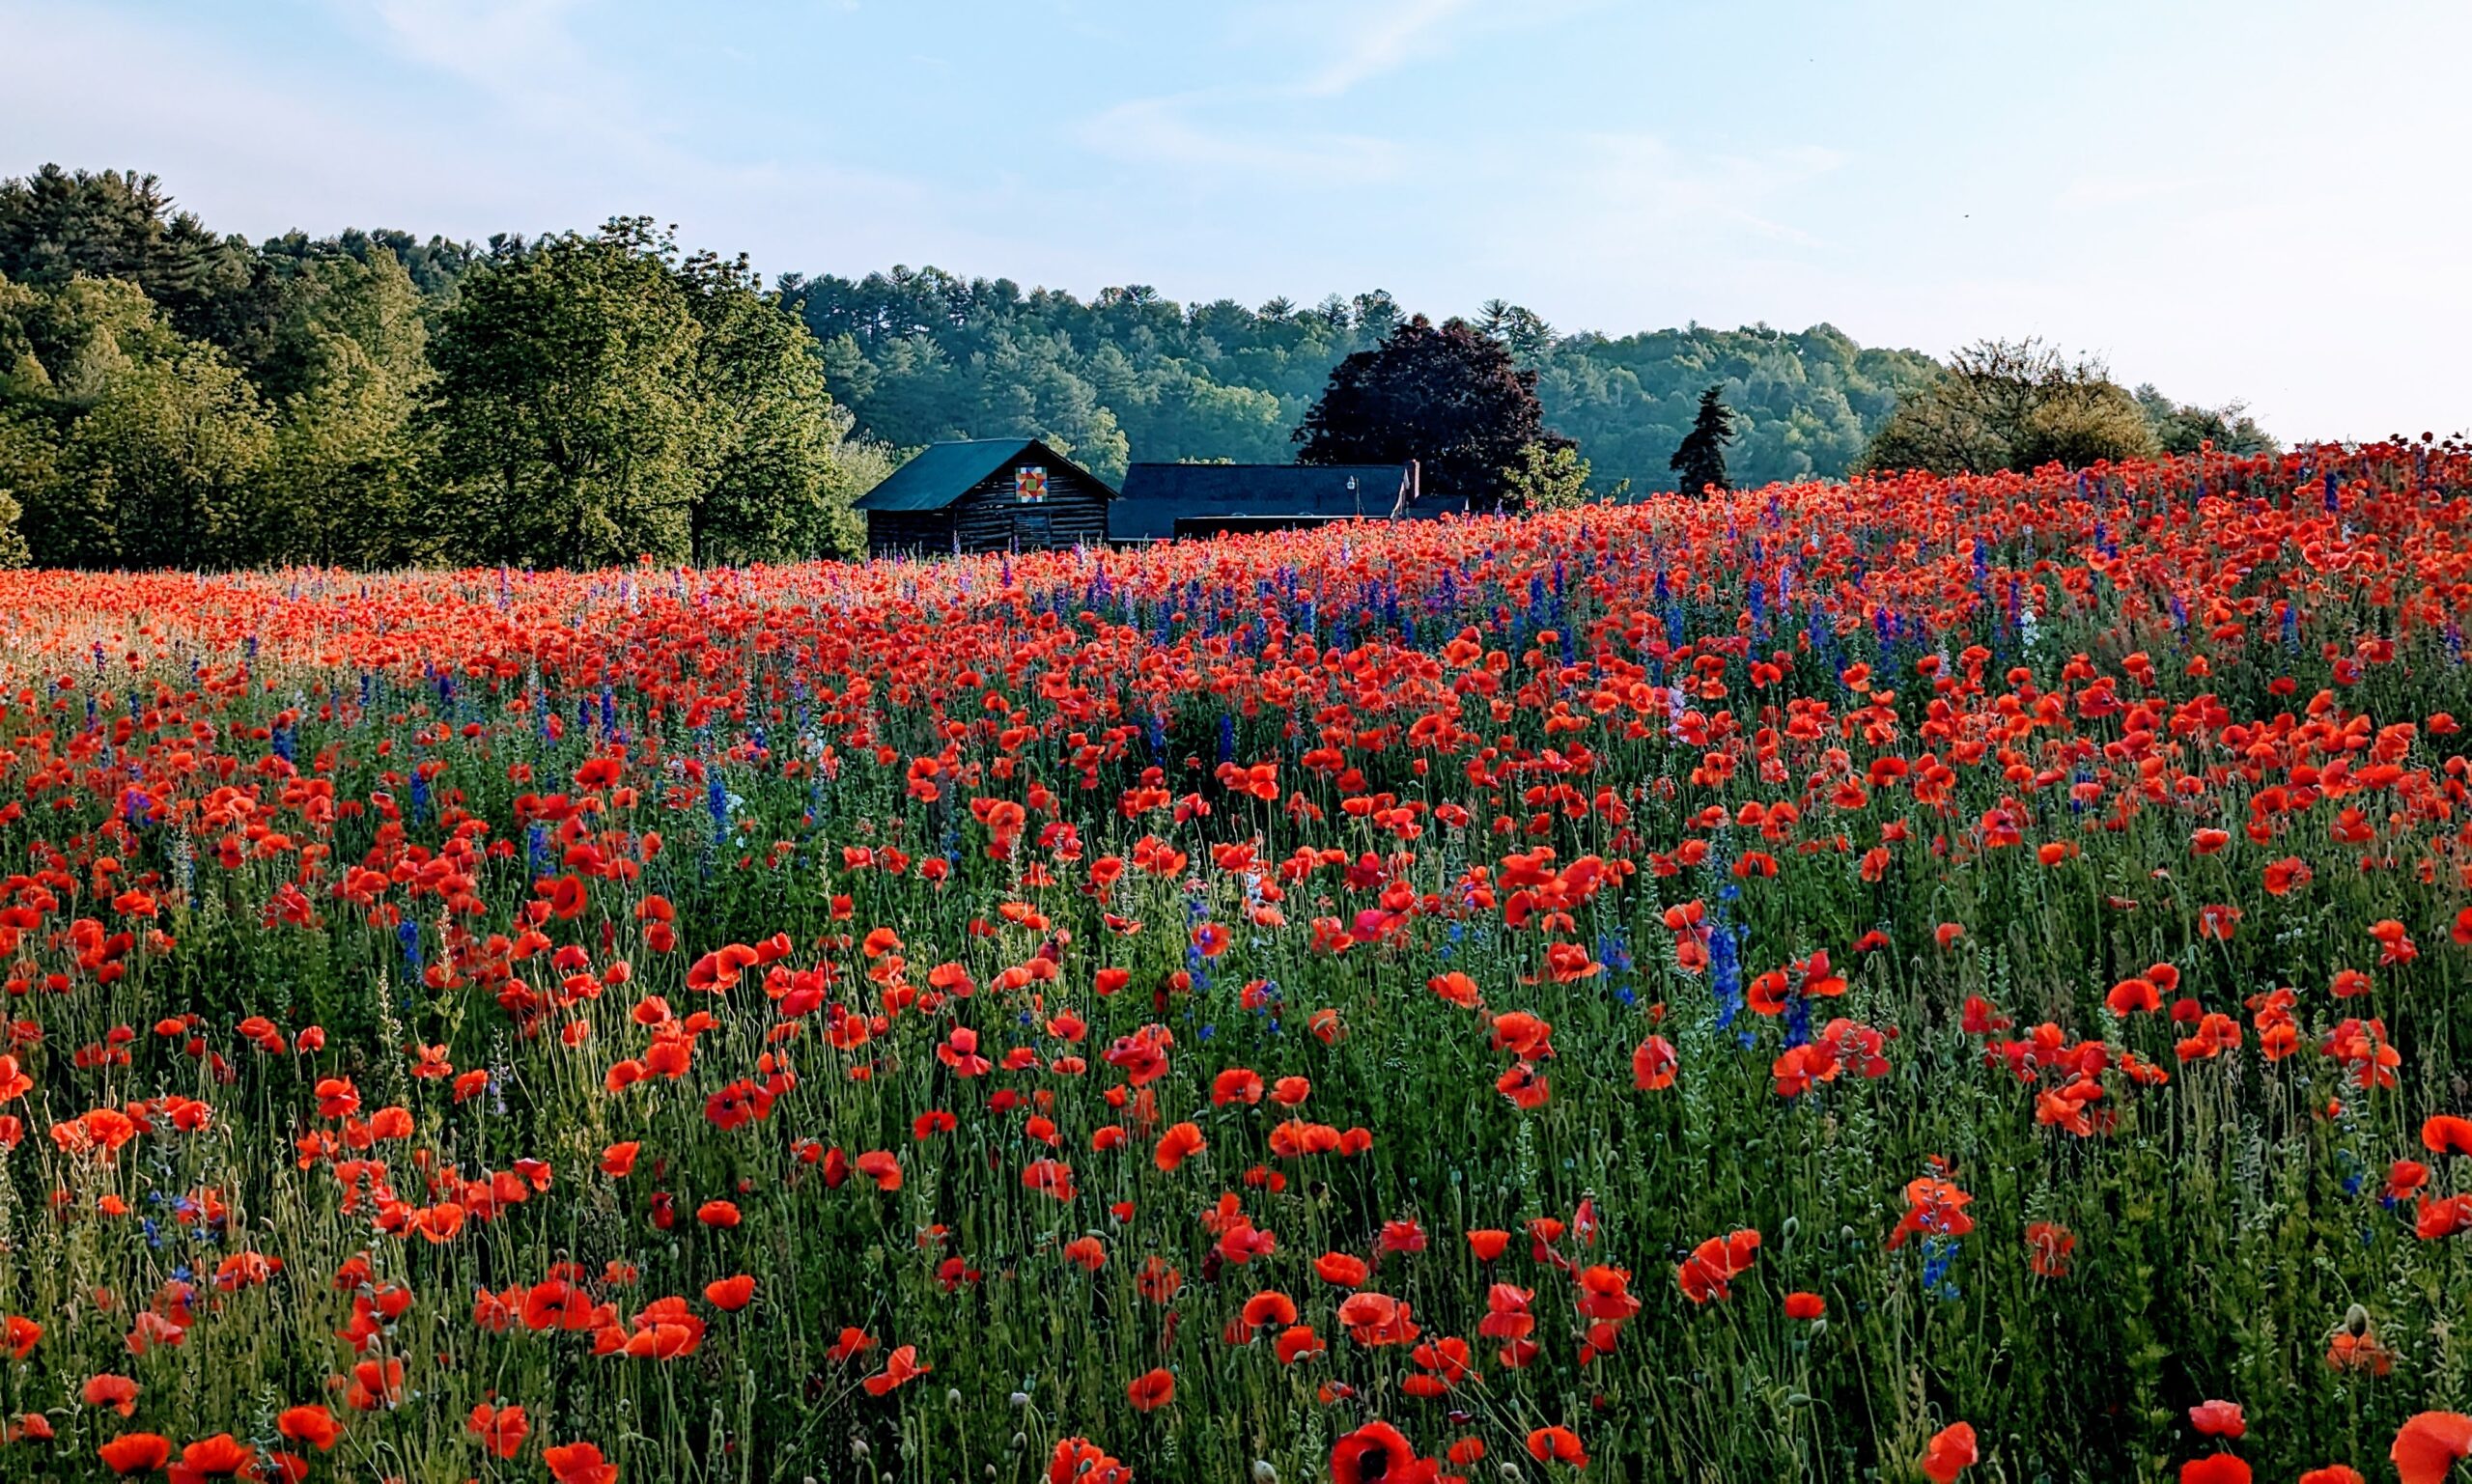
[[170, 397]]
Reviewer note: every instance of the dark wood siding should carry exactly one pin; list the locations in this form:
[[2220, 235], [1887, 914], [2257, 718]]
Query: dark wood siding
[[989, 519]]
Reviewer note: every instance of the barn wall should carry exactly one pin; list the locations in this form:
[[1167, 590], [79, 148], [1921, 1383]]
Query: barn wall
[[917, 532], [1076, 508]]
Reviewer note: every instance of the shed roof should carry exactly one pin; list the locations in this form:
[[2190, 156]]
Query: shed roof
[[1156, 496], [941, 473]]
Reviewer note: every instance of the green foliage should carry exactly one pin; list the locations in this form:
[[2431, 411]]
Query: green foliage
[[348, 471], [917, 354], [57, 225], [771, 485], [2181, 428], [1551, 476], [566, 405], [125, 443], [671, 407], [1700, 461], [2002, 405], [371, 399], [164, 470]]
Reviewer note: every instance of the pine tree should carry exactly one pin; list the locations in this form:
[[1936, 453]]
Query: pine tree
[[1700, 461]]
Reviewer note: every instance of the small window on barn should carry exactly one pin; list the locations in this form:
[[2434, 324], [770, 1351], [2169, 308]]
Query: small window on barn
[[1031, 529]]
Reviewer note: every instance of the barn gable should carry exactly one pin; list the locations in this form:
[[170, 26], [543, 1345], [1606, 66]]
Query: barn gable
[[986, 494]]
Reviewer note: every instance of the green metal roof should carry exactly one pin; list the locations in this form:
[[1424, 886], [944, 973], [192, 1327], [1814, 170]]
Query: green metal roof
[[942, 473]]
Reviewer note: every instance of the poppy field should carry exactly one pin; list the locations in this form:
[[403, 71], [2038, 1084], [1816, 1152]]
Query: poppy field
[[1949, 978]]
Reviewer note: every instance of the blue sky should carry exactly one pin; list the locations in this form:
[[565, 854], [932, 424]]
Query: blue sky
[[2258, 200]]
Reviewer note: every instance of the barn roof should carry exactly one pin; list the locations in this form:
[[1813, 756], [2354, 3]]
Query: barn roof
[[942, 473], [1157, 495]]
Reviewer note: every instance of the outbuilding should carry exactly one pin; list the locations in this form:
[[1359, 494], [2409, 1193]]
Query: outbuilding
[[986, 494], [1165, 501]]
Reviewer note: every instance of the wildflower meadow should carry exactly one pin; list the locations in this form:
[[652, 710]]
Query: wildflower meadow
[[1919, 977]]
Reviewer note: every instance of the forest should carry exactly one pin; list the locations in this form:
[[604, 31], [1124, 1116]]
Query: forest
[[173, 397]]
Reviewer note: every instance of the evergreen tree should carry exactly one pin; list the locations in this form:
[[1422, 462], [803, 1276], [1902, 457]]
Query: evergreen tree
[[1700, 464], [56, 225]]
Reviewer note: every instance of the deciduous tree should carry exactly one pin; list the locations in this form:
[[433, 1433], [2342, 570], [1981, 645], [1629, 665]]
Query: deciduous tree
[[1449, 397]]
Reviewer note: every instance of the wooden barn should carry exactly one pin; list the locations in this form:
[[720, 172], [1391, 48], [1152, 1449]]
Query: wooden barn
[[1165, 501], [986, 494]]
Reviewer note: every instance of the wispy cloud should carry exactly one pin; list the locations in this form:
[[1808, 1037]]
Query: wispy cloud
[[1310, 57], [523, 57], [1383, 40]]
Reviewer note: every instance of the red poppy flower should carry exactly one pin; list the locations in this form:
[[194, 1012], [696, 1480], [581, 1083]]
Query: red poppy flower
[[135, 1453], [1950, 1453], [311, 1424], [500, 1429], [118, 1392], [1375, 1453], [1151, 1390], [2430, 1445], [578, 1462], [1556, 1446]]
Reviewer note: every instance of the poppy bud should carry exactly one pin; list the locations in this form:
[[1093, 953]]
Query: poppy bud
[[1263, 1472]]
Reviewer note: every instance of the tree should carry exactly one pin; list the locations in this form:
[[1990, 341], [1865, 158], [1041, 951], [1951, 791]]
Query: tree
[[2003, 404], [597, 398], [350, 446], [165, 471], [123, 443], [29, 459], [772, 485], [56, 225], [1700, 460], [1448, 397], [1552, 476], [2183, 429], [566, 400]]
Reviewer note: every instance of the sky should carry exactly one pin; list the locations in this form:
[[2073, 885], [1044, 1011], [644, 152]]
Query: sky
[[2258, 200]]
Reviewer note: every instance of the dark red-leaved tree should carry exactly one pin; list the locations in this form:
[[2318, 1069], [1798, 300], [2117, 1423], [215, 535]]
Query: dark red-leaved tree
[[1450, 398]]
